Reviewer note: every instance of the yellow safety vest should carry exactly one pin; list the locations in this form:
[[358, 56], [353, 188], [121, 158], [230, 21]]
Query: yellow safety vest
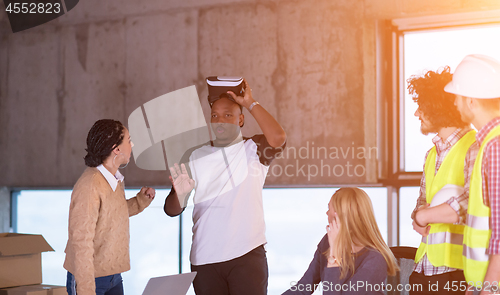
[[443, 245], [477, 231]]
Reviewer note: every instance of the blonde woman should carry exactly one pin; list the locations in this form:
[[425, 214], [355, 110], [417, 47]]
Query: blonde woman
[[352, 258]]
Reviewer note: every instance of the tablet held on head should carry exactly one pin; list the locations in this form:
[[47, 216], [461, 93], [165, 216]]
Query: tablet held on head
[[218, 86]]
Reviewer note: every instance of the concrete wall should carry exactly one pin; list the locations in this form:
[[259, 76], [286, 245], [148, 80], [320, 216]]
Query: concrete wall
[[310, 63]]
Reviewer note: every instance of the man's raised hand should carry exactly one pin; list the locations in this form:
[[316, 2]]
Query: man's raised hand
[[181, 182]]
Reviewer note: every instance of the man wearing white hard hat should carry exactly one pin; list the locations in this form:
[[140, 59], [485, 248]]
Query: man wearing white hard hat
[[476, 85], [443, 186]]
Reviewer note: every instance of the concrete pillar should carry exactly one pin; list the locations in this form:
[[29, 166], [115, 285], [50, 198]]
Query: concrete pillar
[[4, 209]]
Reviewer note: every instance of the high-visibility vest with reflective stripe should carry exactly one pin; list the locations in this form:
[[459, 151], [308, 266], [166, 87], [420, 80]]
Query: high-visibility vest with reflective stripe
[[477, 231], [443, 245]]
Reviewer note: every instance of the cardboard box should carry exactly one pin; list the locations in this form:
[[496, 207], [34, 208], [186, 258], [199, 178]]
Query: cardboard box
[[21, 259], [35, 290]]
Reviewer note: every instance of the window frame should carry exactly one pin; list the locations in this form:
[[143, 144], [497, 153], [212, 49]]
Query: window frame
[[391, 87]]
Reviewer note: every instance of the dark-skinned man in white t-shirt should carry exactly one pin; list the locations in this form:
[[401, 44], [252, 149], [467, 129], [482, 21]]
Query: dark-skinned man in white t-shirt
[[227, 175]]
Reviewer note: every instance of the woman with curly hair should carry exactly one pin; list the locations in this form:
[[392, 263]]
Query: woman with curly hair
[[97, 251], [352, 253]]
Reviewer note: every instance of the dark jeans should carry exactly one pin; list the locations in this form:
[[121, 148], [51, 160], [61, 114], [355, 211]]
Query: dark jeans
[[245, 275], [108, 285], [446, 283]]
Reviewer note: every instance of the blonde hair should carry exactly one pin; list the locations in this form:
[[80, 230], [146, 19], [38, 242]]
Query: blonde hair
[[359, 227]]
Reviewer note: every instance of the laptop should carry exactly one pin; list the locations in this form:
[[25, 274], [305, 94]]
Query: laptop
[[170, 285]]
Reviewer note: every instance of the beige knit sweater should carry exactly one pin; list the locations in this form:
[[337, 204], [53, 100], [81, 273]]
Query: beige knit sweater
[[98, 236]]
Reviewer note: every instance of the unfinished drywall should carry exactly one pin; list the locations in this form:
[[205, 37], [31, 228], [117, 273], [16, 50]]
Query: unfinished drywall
[[310, 63]]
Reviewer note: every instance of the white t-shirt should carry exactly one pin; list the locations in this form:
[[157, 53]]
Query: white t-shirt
[[228, 214]]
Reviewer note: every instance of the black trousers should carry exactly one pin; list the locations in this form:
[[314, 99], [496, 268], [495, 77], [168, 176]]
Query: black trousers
[[245, 275], [447, 283]]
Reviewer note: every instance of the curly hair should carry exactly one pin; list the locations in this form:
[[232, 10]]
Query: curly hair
[[436, 104], [103, 137]]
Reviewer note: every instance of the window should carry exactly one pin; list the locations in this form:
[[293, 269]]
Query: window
[[411, 46], [295, 223], [407, 236], [430, 50], [423, 51], [153, 236]]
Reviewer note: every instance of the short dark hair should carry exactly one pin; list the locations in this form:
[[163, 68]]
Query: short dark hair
[[228, 96], [436, 104], [103, 137]]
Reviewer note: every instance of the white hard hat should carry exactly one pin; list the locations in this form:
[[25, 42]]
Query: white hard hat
[[444, 194], [477, 76]]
